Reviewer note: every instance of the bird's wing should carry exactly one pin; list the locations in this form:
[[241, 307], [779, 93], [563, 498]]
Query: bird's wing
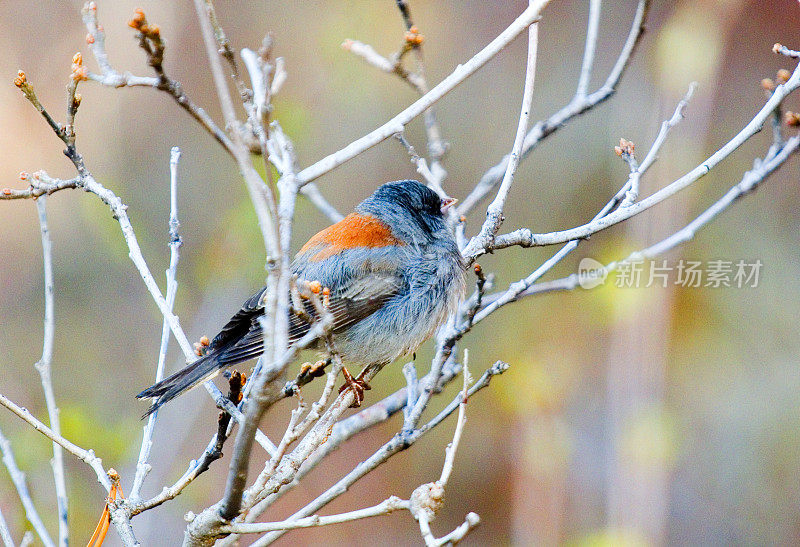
[[240, 323], [356, 259], [364, 295]]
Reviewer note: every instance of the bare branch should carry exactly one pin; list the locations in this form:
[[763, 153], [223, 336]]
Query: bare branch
[[372, 57], [524, 284], [398, 443], [577, 106], [526, 238], [212, 453], [5, 534], [260, 193], [633, 193], [470, 522], [111, 78], [40, 185], [396, 124], [44, 368], [142, 467], [494, 214], [591, 45], [384, 508], [84, 455], [761, 170], [18, 478], [452, 448], [783, 50]]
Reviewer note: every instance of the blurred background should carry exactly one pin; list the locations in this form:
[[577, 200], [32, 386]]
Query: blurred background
[[629, 416]]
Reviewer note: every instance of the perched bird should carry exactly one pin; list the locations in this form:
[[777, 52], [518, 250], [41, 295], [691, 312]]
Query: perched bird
[[394, 273]]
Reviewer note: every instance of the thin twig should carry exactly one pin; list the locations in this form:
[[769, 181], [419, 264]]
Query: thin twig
[[384, 508], [5, 533], [452, 448], [761, 170], [589, 49], [212, 453], [84, 455], [142, 467], [111, 78], [633, 193], [398, 443], [40, 185], [45, 372], [18, 478], [396, 124], [224, 48], [526, 238], [428, 499], [412, 385], [373, 58], [436, 146], [260, 194], [494, 214], [577, 106]]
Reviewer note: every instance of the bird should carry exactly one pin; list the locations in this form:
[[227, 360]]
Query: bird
[[393, 273]]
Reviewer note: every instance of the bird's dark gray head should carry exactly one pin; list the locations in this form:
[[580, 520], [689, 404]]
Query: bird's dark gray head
[[408, 208]]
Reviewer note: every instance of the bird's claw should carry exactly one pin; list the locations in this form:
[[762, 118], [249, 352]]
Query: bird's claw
[[356, 385]]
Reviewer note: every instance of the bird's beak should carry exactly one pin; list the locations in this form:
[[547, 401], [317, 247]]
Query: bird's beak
[[447, 203]]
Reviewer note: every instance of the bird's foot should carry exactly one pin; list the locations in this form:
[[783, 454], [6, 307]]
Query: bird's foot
[[357, 385]]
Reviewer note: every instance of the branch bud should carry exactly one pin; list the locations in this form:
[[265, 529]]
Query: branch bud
[[138, 20], [113, 475], [413, 37], [21, 79], [80, 73], [625, 148]]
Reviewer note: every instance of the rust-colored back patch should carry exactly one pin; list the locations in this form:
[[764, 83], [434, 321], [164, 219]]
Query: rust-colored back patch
[[354, 230]]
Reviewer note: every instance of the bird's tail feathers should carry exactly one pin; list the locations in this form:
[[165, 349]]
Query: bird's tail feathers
[[182, 381]]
